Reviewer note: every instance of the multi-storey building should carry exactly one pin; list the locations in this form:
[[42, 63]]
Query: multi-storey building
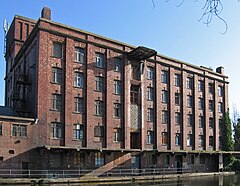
[[81, 100]]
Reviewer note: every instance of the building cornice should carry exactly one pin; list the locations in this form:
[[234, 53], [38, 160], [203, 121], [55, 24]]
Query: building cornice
[[156, 151]]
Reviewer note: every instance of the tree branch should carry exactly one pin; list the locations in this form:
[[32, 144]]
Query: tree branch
[[211, 8]]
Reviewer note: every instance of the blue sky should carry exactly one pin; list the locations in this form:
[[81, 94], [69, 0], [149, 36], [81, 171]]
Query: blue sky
[[172, 31]]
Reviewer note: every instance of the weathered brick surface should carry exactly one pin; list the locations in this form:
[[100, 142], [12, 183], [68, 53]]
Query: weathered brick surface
[[39, 47]]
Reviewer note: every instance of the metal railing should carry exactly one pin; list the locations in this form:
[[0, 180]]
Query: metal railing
[[18, 173]]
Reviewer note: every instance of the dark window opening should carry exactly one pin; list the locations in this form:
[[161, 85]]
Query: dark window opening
[[135, 97]]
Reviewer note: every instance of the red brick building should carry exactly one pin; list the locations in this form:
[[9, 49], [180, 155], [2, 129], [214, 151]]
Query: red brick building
[[97, 102]]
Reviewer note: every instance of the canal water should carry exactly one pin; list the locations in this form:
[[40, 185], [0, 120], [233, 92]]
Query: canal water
[[219, 180]]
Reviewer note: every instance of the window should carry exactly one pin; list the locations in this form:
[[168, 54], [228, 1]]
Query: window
[[78, 79], [79, 159], [177, 99], [79, 55], [56, 102], [201, 122], [78, 131], [189, 83], [99, 60], [220, 107], [99, 159], [200, 86], [202, 159], [19, 130], [164, 138], [200, 140], [220, 91], [117, 87], [56, 130], [117, 110], [200, 103], [11, 152], [210, 88], [57, 75], [164, 96], [167, 160], [135, 162], [190, 120], [189, 101], [211, 122], [210, 141], [150, 93], [177, 139], [210, 105], [152, 159], [177, 118], [98, 108], [99, 83], [150, 137], [150, 114], [164, 76], [136, 74], [78, 105], [164, 117], [134, 95], [116, 135], [1, 133], [117, 65], [191, 159], [177, 80], [98, 131], [189, 140], [150, 73], [57, 50]]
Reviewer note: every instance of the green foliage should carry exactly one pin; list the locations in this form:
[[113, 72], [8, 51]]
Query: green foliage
[[226, 130], [237, 137], [234, 165]]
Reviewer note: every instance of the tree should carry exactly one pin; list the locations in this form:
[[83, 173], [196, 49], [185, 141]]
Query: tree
[[237, 136], [235, 115], [226, 130], [236, 127]]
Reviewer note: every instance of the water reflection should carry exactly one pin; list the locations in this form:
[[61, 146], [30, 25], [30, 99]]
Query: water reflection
[[232, 180]]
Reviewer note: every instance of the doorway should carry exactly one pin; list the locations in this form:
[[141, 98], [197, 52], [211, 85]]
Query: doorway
[[135, 140], [178, 163]]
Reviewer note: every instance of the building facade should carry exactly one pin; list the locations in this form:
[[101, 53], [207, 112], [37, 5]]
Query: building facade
[[93, 102]]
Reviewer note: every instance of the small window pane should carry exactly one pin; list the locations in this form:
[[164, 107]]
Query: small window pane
[[117, 65], [164, 77], [177, 80], [99, 83], [78, 105], [78, 131], [57, 50], [79, 55], [78, 79], [57, 75], [150, 93], [150, 73], [56, 130], [56, 102], [117, 87], [99, 60]]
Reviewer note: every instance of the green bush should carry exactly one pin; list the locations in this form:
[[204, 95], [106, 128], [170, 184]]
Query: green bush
[[234, 165]]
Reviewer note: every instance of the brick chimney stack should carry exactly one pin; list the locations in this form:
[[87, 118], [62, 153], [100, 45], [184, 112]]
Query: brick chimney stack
[[46, 13], [220, 70]]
